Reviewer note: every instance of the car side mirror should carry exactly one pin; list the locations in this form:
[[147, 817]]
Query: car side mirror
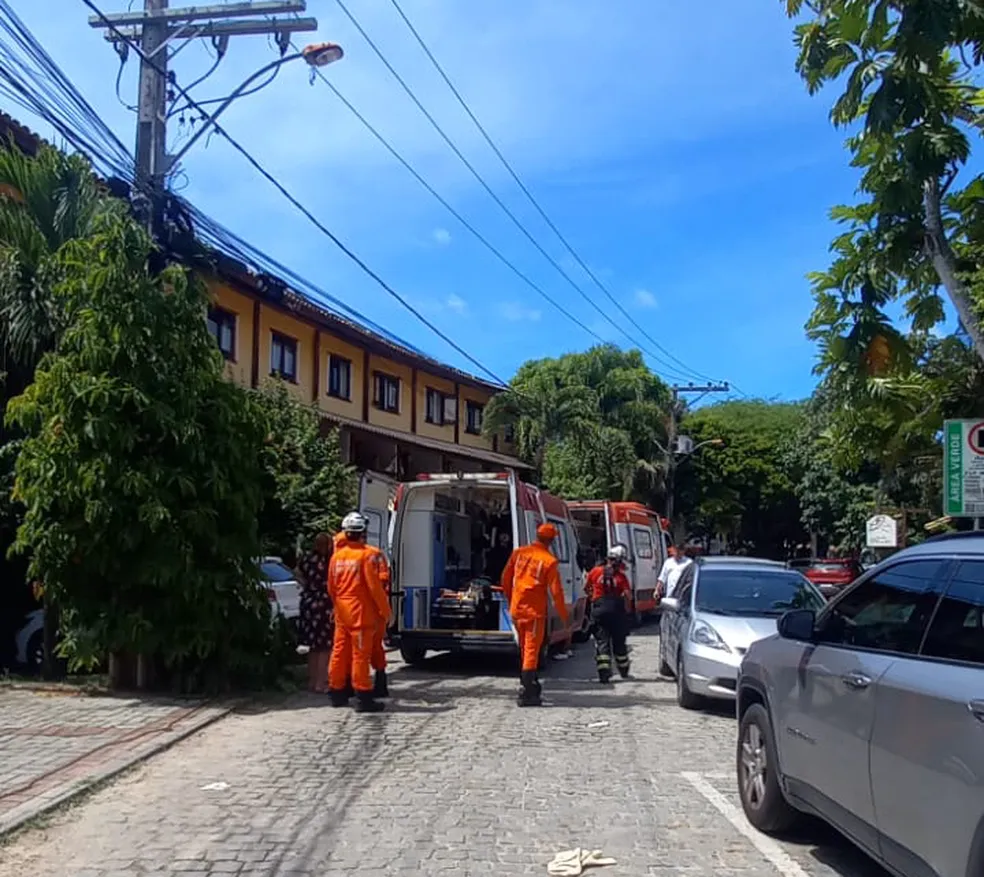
[[797, 624], [671, 603]]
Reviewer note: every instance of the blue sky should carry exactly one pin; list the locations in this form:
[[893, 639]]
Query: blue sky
[[673, 144]]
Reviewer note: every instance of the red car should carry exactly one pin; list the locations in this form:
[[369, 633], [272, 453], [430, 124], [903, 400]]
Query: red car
[[831, 575]]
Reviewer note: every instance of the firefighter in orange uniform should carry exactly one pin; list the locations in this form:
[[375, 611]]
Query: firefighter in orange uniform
[[377, 659], [355, 585], [610, 594], [530, 573]]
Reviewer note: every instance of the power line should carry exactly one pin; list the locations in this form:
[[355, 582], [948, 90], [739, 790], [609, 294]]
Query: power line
[[457, 215], [484, 184], [49, 95], [300, 207], [529, 195]]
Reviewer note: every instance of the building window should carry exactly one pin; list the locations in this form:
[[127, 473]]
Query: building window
[[386, 392], [283, 357], [509, 434], [339, 378], [473, 418], [222, 326], [440, 408]]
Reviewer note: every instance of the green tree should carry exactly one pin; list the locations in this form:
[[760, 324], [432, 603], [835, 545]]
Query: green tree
[[744, 489], [910, 73], [592, 423], [141, 471], [45, 202], [541, 407], [307, 486]]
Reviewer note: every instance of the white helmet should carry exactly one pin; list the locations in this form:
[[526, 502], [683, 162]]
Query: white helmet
[[354, 522], [617, 552]]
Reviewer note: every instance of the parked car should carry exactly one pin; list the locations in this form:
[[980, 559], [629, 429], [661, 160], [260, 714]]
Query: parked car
[[279, 582], [832, 575], [870, 713], [282, 588], [729, 604]]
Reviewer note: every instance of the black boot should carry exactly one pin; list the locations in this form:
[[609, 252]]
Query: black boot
[[380, 687], [348, 690], [623, 669], [339, 698], [604, 675], [365, 702], [529, 694]]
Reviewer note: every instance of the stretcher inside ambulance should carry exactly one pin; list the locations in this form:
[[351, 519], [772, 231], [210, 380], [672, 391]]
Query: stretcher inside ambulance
[[601, 524], [451, 536]]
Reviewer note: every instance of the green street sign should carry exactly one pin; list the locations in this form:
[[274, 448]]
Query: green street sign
[[963, 468]]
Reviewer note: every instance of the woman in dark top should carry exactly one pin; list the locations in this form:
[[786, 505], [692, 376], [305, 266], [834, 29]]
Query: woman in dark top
[[315, 621]]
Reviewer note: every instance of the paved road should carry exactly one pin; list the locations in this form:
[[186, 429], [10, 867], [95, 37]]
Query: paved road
[[454, 780]]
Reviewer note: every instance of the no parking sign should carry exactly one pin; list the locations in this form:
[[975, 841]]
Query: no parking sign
[[963, 468]]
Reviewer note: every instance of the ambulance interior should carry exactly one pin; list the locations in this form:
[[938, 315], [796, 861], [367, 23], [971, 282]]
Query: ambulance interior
[[453, 542], [592, 535]]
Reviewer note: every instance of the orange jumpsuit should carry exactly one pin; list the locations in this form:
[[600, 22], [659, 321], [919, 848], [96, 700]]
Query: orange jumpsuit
[[355, 586], [529, 574]]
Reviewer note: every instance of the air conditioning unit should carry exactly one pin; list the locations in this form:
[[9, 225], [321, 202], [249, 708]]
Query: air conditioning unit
[[684, 444]]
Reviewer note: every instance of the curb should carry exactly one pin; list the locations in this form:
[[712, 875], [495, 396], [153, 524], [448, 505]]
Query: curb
[[54, 798]]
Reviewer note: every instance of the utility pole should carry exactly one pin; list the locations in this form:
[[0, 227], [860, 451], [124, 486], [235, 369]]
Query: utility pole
[[157, 29], [672, 429]]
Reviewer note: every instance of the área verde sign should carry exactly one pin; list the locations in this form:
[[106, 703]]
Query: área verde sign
[[963, 468]]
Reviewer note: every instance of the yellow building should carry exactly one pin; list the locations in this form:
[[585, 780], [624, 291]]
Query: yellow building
[[398, 412]]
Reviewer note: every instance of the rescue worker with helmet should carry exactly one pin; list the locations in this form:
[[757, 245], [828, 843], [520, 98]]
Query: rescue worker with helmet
[[355, 585], [531, 572], [609, 591], [377, 660]]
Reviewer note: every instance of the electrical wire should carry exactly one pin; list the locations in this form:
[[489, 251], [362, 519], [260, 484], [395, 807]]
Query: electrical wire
[[301, 208], [33, 80], [529, 195], [499, 202]]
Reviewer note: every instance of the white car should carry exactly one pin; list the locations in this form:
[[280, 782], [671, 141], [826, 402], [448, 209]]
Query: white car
[[279, 582], [282, 588]]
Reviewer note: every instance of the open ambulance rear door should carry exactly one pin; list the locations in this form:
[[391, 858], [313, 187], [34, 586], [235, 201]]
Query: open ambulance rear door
[[376, 496]]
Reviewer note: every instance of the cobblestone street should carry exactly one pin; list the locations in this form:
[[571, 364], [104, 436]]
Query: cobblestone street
[[452, 779]]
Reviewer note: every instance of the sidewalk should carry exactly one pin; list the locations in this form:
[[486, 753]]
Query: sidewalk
[[54, 745]]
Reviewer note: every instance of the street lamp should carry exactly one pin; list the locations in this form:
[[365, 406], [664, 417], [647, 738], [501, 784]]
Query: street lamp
[[317, 55]]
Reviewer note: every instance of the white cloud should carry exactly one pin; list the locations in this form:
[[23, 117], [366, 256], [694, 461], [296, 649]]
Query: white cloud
[[441, 236], [457, 304], [645, 299], [516, 313]]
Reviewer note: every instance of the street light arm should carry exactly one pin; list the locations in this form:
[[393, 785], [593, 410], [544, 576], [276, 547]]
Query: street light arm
[[210, 121]]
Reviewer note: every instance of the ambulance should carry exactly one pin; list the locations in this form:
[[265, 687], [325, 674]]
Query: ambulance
[[449, 536], [601, 524]]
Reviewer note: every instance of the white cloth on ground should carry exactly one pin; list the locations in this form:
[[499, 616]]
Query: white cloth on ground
[[570, 863]]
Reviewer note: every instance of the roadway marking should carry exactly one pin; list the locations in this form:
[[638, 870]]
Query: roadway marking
[[775, 854]]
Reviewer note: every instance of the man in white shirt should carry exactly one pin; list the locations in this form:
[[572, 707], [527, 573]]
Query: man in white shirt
[[672, 569]]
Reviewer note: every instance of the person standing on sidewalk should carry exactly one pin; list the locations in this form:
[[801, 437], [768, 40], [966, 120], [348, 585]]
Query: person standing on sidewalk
[[530, 573], [315, 620], [361, 608], [610, 594], [673, 568]]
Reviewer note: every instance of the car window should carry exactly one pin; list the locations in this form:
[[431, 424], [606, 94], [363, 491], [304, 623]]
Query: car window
[[957, 630], [889, 611], [275, 572], [559, 546], [643, 543], [756, 593]]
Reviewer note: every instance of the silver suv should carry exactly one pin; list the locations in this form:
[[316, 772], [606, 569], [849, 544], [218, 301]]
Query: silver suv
[[870, 713]]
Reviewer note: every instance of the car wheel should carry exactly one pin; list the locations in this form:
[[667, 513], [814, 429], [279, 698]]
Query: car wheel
[[413, 655], [685, 697], [762, 799]]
